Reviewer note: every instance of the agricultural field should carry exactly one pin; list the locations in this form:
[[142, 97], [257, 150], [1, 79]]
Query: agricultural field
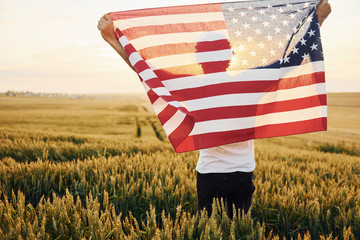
[[102, 168]]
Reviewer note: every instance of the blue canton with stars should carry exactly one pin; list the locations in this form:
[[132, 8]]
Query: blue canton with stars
[[272, 34]]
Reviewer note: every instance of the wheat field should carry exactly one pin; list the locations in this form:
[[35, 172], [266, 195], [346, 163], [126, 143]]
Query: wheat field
[[102, 168]]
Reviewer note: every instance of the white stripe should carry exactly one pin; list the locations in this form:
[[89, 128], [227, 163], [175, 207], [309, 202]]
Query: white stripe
[[242, 76], [223, 125], [176, 38], [189, 58], [135, 58], [161, 91], [124, 41], [169, 19], [159, 105], [147, 74], [174, 122], [254, 98]]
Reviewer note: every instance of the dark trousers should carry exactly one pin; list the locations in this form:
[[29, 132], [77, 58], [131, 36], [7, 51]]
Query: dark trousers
[[234, 188]]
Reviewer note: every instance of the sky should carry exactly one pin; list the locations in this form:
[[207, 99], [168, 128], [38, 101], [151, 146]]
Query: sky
[[55, 46]]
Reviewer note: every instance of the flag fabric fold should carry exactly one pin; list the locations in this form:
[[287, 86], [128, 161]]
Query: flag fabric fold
[[229, 72]]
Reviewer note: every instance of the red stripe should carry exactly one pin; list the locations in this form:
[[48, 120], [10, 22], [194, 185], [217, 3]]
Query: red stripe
[[220, 138], [178, 136], [166, 11], [257, 110], [248, 87], [137, 32], [181, 48], [167, 113]]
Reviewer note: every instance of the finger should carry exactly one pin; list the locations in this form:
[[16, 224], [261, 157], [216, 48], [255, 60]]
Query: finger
[[107, 17]]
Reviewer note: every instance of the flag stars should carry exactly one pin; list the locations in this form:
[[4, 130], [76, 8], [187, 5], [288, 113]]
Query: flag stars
[[266, 24], [292, 16], [244, 62], [295, 50], [273, 17], [272, 52], [303, 42], [269, 37], [280, 44], [254, 19], [246, 25], [264, 60], [285, 23], [288, 36], [262, 12], [238, 33], [281, 10], [243, 14], [258, 31], [230, 9], [311, 33], [305, 56], [261, 45], [277, 30], [253, 53], [234, 20], [288, 5], [314, 47], [309, 19], [286, 59], [250, 8], [250, 39], [306, 5]]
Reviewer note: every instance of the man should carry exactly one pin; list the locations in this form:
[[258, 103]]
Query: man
[[225, 171]]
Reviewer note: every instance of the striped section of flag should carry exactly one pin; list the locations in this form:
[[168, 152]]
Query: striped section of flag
[[222, 73]]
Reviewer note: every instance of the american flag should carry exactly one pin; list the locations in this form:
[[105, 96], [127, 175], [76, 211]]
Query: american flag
[[223, 73]]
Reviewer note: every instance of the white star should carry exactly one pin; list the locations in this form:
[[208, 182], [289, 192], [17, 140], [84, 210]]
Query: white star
[[269, 6], [299, 10], [272, 52], [281, 10], [288, 36], [314, 47], [280, 44], [234, 20], [289, 5], [261, 45], [250, 39], [306, 4], [303, 41], [238, 33], [230, 9], [295, 29], [244, 62], [286, 60], [254, 19], [295, 50], [246, 25], [243, 14], [311, 33], [264, 60], [269, 37], [285, 23], [292, 16], [240, 47], [258, 31], [305, 56], [273, 17], [262, 12], [309, 20], [266, 24], [277, 30], [281, 60], [253, 53], [250, 8]]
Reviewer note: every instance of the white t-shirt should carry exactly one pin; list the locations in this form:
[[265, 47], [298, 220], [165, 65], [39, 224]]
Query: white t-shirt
[[227, 158]]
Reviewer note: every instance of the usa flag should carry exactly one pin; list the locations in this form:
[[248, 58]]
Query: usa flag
[[223, 73]]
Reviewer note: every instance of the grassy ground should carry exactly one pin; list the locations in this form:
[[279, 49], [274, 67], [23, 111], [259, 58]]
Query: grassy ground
[[104, 169]]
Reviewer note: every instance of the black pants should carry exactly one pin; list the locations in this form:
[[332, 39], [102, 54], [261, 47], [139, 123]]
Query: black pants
[[235, 188]]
